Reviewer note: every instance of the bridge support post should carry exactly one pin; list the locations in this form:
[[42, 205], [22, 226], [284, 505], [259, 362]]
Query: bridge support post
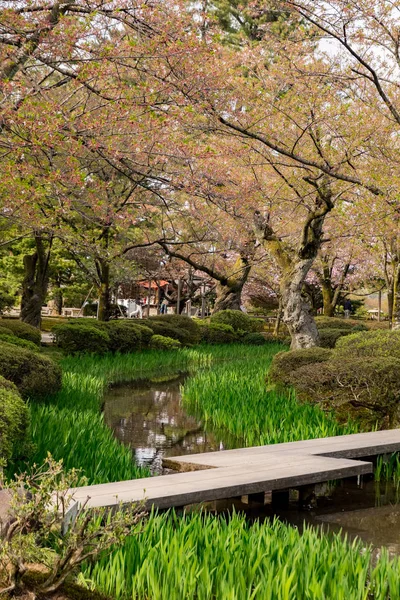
[[258, 498], [280, 499]]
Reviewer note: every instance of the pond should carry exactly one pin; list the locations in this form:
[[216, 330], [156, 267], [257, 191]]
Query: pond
[[148, 416]]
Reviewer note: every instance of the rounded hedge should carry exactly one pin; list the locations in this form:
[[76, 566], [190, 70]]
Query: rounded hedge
[[178, 323], [329, 337], [12, 339], [124, 337], [254, 339], [160, 342], [368, 388], [379, 342], [22, 330], [34, 375], [217, 333], [14, 422], [284, 363], [81, 338], [165, 329], [238, 320]]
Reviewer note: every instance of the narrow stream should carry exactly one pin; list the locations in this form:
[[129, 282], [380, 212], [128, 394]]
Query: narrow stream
[[148, 416]]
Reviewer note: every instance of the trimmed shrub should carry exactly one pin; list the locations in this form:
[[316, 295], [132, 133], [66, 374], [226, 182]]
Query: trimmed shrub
[[167, 330], [238, 320], [22, 330], [217, 333], [382, 343], [12, 339], [369, 388], [336, 323], [146, 332], [124, 337], [178, 322], [6, 331], [254, 339], [91, 322], [34, 375], [81, 338], [14, 422], [284, 363], [161, 342], [329, 337]]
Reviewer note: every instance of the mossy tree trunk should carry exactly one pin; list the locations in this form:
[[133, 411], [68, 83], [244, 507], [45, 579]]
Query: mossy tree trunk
[[229, 291], [295, 264], [331, 291], [58, 296], [36, 280]]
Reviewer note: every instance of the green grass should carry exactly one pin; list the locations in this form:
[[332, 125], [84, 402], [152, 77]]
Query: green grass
[[70, 426], [236, 397], [388, 469], [208, 558], [201, 557]]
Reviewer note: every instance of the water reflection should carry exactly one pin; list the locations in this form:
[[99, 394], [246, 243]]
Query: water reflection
[[148, 416]]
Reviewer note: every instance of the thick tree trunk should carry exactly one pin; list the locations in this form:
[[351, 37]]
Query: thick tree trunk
[[327, 299], [58, 298], [104, 311], [35, 283], [295, 265], [228, 297], [229, 292], [297, 313]]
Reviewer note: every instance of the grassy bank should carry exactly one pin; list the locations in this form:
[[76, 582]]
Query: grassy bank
[[237, 398], [204, 558], [200, 556], [70, 426]]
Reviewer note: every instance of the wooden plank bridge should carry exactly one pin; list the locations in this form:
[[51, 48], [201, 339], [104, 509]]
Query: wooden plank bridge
[[231, 473]]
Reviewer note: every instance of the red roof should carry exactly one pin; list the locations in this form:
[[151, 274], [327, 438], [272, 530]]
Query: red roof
[[161, 283]]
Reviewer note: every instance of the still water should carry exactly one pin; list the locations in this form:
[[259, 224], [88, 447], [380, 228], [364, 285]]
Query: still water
[[148, 416]]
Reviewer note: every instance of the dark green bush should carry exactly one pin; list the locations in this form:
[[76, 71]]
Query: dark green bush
[[178, 322], [254, 339], [91, 322], [336, 323], [160, 342], [124, 337], [34, 375], [12, 339], [238, 320], [22, 330], [14, 422], [167, 330], [217, 333], [368, 389], [284, 363], [146, 332], [329, 337], [73, 338], [6, 331], [375, 343]]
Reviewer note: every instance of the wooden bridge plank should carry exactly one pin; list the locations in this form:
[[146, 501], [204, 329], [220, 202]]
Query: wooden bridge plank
[[245, 471]]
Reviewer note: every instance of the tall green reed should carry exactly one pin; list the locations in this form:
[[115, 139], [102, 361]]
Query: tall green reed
[[69, 425], [236, 397], [203, 558]]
